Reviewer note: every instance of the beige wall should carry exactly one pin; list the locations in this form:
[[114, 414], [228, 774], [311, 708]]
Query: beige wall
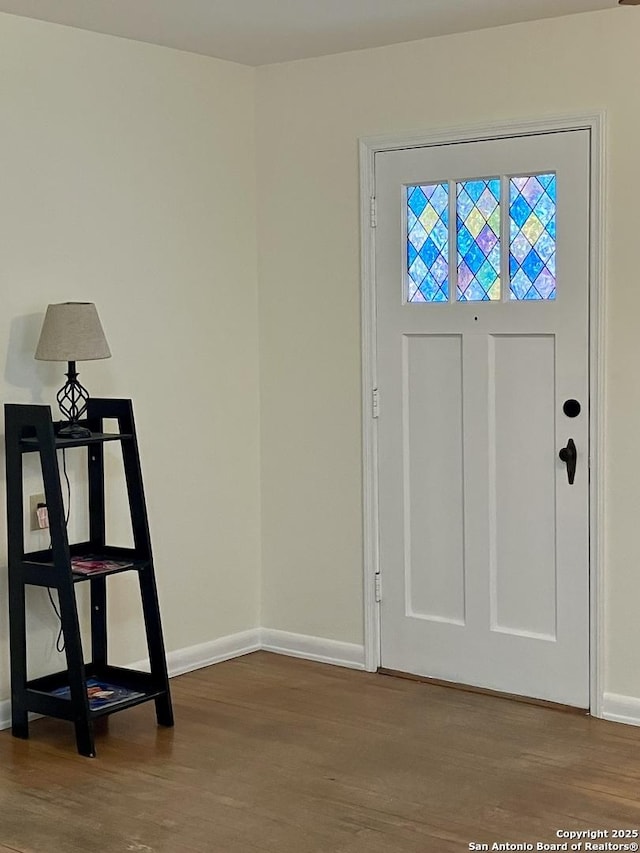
[[310, 116], [128, 179]]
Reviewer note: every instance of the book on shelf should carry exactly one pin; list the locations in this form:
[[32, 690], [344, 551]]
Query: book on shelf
[[101, 693], [91, 565]]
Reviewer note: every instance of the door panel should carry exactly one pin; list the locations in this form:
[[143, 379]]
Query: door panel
[[433, 477], [522, 429], [483, 542]]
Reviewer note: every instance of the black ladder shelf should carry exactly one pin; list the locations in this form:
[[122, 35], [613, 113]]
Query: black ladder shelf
[[30, 429]]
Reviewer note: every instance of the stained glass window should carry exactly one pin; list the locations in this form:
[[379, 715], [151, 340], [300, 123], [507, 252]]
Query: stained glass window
[[532, 236], [478, 230], [428, 243]]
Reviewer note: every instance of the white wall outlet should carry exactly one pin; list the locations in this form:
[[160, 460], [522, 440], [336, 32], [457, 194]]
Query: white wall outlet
[[34, 522]]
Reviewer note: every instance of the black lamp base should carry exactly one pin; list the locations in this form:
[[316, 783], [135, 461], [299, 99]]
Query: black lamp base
[[72, 399], [74, 431]]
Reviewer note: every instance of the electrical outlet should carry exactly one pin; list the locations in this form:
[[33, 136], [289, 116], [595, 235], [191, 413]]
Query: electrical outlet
[[34, 500]]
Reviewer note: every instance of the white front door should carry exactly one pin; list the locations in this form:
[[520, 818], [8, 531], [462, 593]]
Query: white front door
[[482, 298]]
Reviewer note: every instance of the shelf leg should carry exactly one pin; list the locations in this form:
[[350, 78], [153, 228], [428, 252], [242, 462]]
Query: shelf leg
[[84, 738], [76, 671], [19, 723], [164, 711], [140, 525], [17, 616], [155, 644], [19, 717], [98, 621]]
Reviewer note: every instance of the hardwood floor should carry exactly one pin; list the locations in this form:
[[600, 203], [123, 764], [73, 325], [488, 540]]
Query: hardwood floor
[[282, 755]]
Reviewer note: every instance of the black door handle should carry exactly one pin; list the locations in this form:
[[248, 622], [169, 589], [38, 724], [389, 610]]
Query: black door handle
[[569, 456]]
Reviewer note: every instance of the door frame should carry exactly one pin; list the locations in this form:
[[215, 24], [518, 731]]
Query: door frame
[[595, 123]]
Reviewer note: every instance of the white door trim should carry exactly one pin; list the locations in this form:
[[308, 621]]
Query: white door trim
[[369, 146]]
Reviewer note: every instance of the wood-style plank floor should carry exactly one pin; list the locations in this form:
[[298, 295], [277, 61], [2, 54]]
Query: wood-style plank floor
[[287, 756]]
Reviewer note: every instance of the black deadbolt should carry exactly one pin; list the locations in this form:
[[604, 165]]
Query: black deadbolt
[[571, 408]]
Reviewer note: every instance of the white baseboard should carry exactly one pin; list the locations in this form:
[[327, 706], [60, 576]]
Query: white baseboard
[[318, 649], [312, 648], [621, 709], [206, 654], [5, 714]]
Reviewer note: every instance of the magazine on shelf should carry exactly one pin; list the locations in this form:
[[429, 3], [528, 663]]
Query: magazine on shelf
[[91, 565], [101, 693]]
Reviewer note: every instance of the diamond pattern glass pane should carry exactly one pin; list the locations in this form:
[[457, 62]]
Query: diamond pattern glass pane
[[428, 243], [532, 237], [478, 230]]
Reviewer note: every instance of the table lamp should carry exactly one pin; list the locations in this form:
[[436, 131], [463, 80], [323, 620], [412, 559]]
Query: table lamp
[[72, 332]]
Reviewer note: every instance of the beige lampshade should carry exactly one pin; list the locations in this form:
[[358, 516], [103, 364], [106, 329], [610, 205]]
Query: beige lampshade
[[72, 332]]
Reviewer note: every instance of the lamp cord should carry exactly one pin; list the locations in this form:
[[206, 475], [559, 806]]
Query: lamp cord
[[60, 638]]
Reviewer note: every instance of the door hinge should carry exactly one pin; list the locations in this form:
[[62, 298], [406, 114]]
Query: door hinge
[[378, 587], [373, 212], [375, 403]]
